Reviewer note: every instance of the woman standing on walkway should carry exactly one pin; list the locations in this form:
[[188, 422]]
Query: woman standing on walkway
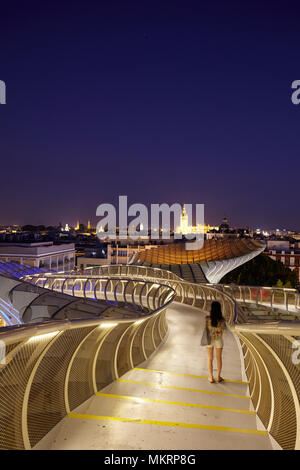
[[216, 326]]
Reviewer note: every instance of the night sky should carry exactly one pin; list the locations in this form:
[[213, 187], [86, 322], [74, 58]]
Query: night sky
[[162, 101]]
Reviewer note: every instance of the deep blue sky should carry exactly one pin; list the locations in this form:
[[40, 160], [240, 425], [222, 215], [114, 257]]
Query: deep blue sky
[[163, 101]]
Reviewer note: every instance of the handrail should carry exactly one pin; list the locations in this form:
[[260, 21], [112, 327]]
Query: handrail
[[289, 299], [274, 352], [103, 289], [49, 360], [60, 363], [78, 351], [272, 328], [199, 295], [266, 296]]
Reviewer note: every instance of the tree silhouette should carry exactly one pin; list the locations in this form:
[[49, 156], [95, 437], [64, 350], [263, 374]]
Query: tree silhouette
[[262, 271]]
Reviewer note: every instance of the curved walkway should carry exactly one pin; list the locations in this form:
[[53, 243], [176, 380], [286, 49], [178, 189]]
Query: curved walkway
[[167, 402]]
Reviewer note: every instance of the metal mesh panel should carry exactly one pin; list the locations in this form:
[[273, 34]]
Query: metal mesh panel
[[200, 302], [104, 365], [161, 325], [46, 399], [137, 351], [255, 392], [44, 371], [284, 350], [148, 339], [123, 364], [10, 347], [189, 295], [247, 361], [156, 336], [284, 427], [254, 383], [13, 380], [46, 404], [250, 375], [264, 410], [80, 386], [164, 324]]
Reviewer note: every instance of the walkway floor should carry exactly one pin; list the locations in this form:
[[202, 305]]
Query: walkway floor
[[167, 402]]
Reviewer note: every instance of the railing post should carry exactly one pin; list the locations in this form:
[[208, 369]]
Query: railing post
[[25, 434], [271, 301]]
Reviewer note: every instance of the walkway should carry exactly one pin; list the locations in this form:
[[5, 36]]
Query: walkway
[[167, 402]]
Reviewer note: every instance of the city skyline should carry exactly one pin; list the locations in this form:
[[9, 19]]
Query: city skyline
[[72, 225]]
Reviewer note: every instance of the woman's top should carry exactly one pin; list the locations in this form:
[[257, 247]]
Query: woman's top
[[215, 332]]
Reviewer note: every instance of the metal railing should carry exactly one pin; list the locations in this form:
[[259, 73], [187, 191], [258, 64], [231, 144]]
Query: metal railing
[[272, 363], [272, 297], [92, 286], [144, 293], [59, 365], [132, 270], [50, 368]]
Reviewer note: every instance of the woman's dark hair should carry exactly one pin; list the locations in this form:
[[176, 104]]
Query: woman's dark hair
[[215, 313]]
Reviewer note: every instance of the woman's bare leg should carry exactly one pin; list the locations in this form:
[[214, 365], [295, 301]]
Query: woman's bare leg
[[210, 358], [219, 361]]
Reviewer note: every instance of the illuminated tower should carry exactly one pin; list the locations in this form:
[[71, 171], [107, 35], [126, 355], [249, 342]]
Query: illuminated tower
[[89, 225], [184, 222], [77, 226]]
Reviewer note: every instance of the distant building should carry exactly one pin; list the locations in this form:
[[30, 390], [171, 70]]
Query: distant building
[[185, 229], [288, 254], [224, 225], [208, 264], [41, 255], [115, 255], [278, 245]]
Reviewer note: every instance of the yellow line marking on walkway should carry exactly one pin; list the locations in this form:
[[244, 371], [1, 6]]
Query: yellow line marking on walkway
[[167, 423], [183, 388], [188, 375], [178, 403]]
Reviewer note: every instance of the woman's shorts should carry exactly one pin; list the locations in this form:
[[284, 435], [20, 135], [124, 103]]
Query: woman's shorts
[[217, 343]]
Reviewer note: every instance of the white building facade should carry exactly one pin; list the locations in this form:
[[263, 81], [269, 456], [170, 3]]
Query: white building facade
[[40, 255]]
